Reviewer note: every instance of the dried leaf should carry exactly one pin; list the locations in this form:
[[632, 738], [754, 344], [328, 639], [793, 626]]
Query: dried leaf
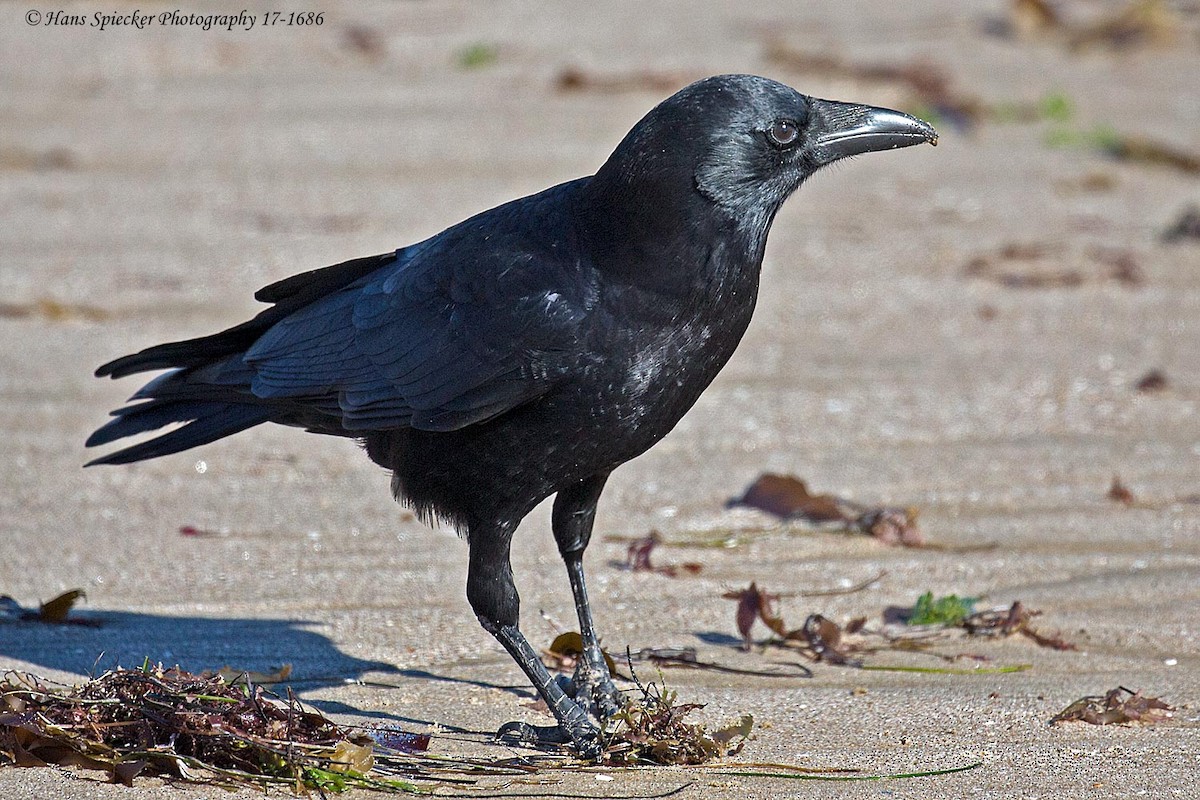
[[577, 79], [56, 610], [637, 558], [823, 635], [1141, 22], [53, 311], [1186, 226], [1118, 706], [1007, 621], [755, 604], [1153, 381], [566, 650], [1119, 492], [788, 497], [401, 741], [1040, 265]]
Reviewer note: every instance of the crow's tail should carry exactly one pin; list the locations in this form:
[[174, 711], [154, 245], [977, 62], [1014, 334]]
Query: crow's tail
[[207, 421]]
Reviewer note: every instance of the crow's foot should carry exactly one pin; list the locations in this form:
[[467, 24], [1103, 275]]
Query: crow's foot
[[585, 740], [596, 694]]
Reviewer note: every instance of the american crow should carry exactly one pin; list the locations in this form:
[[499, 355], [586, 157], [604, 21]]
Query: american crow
[[531, 349]]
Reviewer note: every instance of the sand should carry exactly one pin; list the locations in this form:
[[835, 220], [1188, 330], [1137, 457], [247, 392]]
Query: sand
[[151, 180]]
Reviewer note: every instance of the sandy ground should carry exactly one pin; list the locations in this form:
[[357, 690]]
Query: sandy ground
[[151, 180]]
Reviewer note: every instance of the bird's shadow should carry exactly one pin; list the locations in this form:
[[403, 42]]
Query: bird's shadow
[[106, 639], [102, 640]]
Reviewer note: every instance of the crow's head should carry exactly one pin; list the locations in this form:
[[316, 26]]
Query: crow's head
[[746, 143]]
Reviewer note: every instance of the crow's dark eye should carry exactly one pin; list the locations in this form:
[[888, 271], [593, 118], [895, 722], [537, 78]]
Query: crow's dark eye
[[784, 132]]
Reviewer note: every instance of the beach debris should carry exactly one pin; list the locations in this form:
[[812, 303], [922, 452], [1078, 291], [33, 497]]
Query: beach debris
[[652, 730], [192, 530], [365, 40], [1043, 265], [578, 79], [688, 658], [55, 611], [1139, 23], [1119, 492], [477, 55], [171, 723], [249, 677], [947, 610], [1185, 226], [637, 558], [788, 497], [566, 650], [1118, 706], [754, 604], [1153, 381], [400, 741], [1012, 620], [53, 311]]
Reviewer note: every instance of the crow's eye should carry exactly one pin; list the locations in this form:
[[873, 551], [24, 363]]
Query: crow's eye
[[784, 132]]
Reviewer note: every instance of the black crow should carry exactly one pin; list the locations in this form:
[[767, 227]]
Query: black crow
[[531, 349]]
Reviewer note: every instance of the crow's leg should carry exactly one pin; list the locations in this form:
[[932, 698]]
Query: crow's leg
[[493, 596], [574, 513]]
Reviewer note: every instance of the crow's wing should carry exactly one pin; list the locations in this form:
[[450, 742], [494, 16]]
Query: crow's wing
[[463, 327]]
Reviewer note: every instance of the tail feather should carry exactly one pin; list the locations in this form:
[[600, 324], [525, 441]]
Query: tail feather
[[209, 421]]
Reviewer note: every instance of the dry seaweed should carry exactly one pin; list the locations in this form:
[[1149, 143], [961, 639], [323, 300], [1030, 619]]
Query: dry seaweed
[[1009, 621], [1139, 23], [1118, 706], [687, 658], [577, 79], [55, 611], [1153, 381], [652, 730], [1119, 492], [788, 497], [1185, 226], [171, 723], [53, 311], [637, 558], [1042, 265]]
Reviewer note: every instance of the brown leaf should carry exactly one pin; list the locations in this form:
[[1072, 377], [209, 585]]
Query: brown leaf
[[1186, 226], [1153, 381], [56, 610], [823, 636], [1119, 492], [788, 497], [754, 604], [576, 79], [637, 558]]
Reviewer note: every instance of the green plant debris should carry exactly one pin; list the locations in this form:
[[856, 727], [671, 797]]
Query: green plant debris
[[948, 670], [477, 55], [948, 610]]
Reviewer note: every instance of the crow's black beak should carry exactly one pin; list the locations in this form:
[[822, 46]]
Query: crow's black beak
[[845, 129]]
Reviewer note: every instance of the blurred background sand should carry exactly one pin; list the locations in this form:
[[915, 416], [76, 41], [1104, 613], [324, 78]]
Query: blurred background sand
[[959, 329]]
